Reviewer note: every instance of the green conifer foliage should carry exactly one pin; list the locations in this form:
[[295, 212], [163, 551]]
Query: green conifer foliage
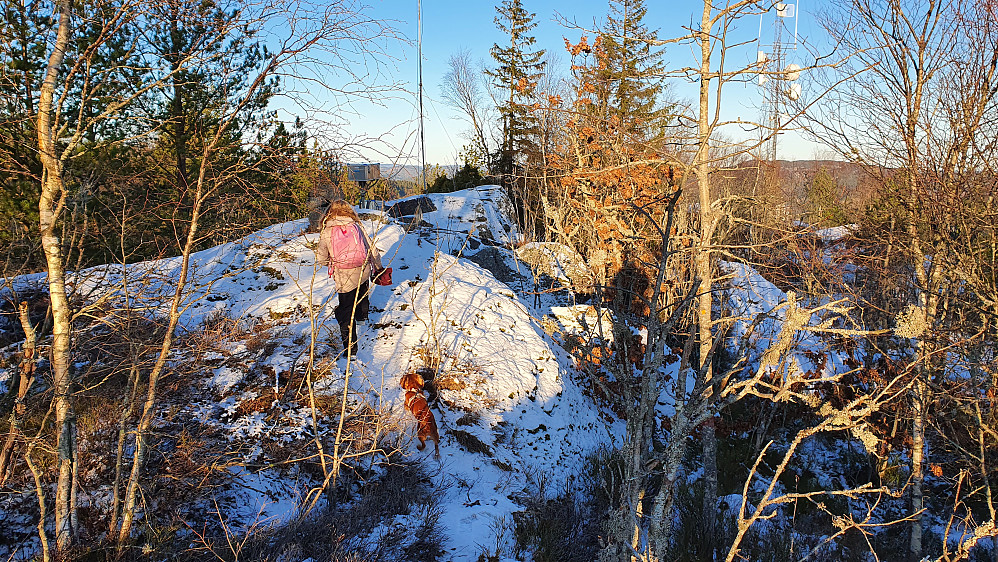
[[632, 76], [516, 75], [823, 199], [103, 44], [210, 56], [21, 58]]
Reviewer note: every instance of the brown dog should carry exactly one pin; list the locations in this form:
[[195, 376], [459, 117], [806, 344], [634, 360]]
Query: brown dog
[[412, 384]]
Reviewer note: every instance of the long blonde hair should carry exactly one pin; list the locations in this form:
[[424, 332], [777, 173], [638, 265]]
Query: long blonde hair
[[340, 208]]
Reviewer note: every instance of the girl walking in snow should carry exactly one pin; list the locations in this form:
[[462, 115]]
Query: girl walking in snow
[[346, 249]]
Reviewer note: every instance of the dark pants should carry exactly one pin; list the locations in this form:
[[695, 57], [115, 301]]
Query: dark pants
[[354, 305]]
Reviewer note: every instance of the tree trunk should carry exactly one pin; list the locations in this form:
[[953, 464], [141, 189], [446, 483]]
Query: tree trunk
[[661, 524], [704, 271], [127, 410], [40, 494], [50, 207], [179, 115], [919, 403], [25, 377]]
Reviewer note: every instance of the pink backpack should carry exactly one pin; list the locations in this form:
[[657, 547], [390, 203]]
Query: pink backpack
[[347, 247]]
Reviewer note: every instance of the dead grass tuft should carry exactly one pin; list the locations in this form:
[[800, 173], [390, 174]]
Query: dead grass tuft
[[399, 492], [217, 329], [451, 382], [566, 527], [261, 403], [469, 418], [470, 442], [429, 357]]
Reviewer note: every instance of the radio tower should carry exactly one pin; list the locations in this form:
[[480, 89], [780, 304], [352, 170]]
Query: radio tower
[[776, 80]]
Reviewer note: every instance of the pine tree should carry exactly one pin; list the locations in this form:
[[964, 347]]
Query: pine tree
[[631, 77], [518, 71], [21, 57], [103, 41], [210, 57]]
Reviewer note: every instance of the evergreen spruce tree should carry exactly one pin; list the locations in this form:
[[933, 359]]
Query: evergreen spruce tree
[[516, 75], [632, 76], [823, 201]]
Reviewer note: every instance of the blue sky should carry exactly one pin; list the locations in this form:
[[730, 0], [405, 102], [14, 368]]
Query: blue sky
[[451, 26]]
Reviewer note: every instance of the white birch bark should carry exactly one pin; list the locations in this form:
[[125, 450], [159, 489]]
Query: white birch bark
[[50, 207]]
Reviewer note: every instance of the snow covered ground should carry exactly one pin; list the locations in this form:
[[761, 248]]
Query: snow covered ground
[[836, 233], [510, 386], [513, 409]]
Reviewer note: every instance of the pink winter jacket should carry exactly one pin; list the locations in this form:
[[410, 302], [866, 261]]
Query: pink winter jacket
[[346, 279]]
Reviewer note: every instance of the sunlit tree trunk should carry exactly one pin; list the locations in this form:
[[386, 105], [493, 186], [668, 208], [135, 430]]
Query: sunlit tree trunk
[[24, 379], [704, 265], [50, 206], [150, 403], [901, 51]]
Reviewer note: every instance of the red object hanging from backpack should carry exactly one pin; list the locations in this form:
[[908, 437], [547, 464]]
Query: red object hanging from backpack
[[383, 276]]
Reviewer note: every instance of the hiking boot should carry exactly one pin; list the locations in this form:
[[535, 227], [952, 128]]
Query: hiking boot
[[348, 344]]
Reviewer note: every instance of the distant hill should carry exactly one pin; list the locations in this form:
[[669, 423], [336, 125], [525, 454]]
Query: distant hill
[[408, 172]]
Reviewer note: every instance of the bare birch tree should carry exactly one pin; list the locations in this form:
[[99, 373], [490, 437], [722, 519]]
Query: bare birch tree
[[911, 108], [599, 184], [462, 89], [53, 151], [74, 101], [316, 36], [711, 43]]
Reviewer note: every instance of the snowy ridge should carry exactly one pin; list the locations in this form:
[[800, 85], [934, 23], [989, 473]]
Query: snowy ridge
[[528, 410], [752, 297], [502, 380], [512, 404]]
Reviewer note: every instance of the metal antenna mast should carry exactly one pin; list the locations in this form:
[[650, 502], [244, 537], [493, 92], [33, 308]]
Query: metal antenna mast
[[776, 80], [419, 70]]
